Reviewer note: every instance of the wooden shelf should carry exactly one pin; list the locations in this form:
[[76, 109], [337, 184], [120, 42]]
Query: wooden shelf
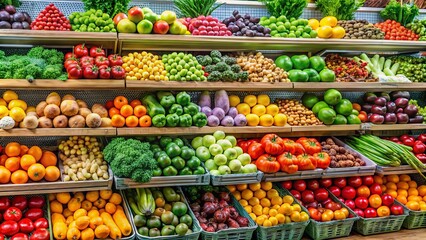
[[212, 86], [394, 127], [71, 84], [131, 42], [357, 86], [57, 38], [198, 131], [39, 132]]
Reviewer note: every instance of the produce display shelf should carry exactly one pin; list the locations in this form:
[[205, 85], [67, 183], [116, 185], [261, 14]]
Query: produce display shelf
[[42, 132], [57, 38], [211, 86], [230, 179], [71, 84], [131, 42], [326, 128], [357, 86], [169, 181], [387, 127], [197, 131], [403, 169], [281, 176]]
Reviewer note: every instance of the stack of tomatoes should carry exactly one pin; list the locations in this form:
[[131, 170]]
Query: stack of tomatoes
[[51, 18], [93, 63], [22, 217], [364, 196], [395, 31], [273, 153], [313, 195]]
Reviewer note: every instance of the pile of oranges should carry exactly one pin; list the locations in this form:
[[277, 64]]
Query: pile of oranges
[[405, 190], [129, 114], [265, 205], [18, 164]]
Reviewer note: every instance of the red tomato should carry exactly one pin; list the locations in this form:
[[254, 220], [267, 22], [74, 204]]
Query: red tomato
[[370, 213], [20, 202], [36, 202], [299, 185], [359, 212], [12, 214], [69, 55], [104, 73], [115, 60], [361, 202], [296, 194], [268, 164], [26, 225], [118, 72], [308, 196], [101, 60], [326, 182], [335, 191], [87, 61], [355, 181], [363, 191], [348, 192], [272, 144], [314, 214], [9, 228], [350, 204], [313, 184], [75, 72], [91, 72], [81, 50], [339, 182], [96, 52], [367, 180], [19, 236], [41, 223], [40, 234], [397, 209], [287, 184], [375, 188], [255, 150], [34, 214]]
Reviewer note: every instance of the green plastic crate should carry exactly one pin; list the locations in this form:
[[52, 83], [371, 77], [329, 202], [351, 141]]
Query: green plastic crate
[[392, 223], [283, 231], [415, 219], [332, 229]]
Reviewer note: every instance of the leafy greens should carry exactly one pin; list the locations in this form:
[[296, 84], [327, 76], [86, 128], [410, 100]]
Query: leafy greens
[[195, 8], [111, 7], [400, 12], [288, 8], [341, 9]]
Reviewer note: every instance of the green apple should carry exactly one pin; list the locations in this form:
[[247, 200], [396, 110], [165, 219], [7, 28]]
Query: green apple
[[126, 26], [235, 165], [152, 17], [230, 154], [168, 16], [202, 153], [225, 144], [224, 170], [214, 172], [208, 140], [219, 135], [239, 150], [215, 149], [144, 27], [244, 159], [210, 165], [249, 168], [176, 28], [232, 139], [220, 159], [197, 142], [146, 10]]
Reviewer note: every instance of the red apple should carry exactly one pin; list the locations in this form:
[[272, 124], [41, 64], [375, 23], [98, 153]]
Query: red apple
[[359, 212], [287, 184], [350, 204], [326, 182], [308, 196], [387, 200], [296, 194], [339, 182], [299, 185], [348, 192], [135, 14], [335, 191], [118, 17], [397, 210], [367, 180], [321, 194], [313, 184], [361, 202], [370, 213], [161, 27], [355, 181], [376, 189]]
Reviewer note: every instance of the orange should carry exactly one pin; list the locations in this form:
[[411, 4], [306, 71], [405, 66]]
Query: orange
[[391, 185], [413, 192], [243, 202], [237, 195], [260, 194], [231, 188], [132, 121], [36, 152], [113, 111], [404, 178], [412, 184], [248, 209], [145, 121], [276, 200], [126, 111], [26, 161], [120, 101], [272, 193], [19, 177], [36, 172], [139, 111], [12, 164], [52, 174], [48, 159], [422, 190], [378, 179], [242, 187], [63, 197], [135, 103], [118, 121], [392, 192], [255, 186], [12, 149], [4, 175], [3, 159], [110, 208], [413, 205], [402, 192], [402, 185], [265, 202], [247, 194], [393, 178], [24, 150], [254, 201], [414, 198], [266, 186]]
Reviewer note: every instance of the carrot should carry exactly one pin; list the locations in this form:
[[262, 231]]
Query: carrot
[[114, 230], [122, 222]]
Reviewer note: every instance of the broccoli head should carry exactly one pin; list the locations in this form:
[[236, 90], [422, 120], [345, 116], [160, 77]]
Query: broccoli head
[[230, 60], [215, 54], [228, 76], [214, 76], [236, 68], [221, 67]]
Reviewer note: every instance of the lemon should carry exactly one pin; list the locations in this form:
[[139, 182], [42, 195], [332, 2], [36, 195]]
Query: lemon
[[266, 120], [30, 109], [243, 202], [272, 212], [254, 186], [251, 100], [280, 217], [17, 113], [3, 102], [248, 209], [267, 223], [10, 95], [266, 186], [328, 21], [254, 201], [260, 194], [263, 99], [258, 209], [265, 203], [288, 199], [295, 217], [242, 187], [338, 32], [272, 193], [325, 32], [3, 111], [247, 194], [243, 108], [234, 100], [266, 210], [314, 23], [259, 110], [253, 216], [276, 200], [272, 109], [252, 119], [17, 103], [273, 220], [280, 120]]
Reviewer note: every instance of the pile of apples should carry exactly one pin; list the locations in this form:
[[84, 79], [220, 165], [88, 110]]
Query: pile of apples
[[315, 197], [363, 196]]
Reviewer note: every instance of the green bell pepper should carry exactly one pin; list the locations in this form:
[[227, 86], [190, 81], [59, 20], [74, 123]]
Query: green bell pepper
[[183, 99], [159, 120], [185, 120], [176, 108], [167, 101], [199, 119], [164, 141], [162, 94], [179, 142], [200, 170], [185, 171], [191, 109], [173, 150], [187, 153], [164, 161], [153, 106], [172, 120]]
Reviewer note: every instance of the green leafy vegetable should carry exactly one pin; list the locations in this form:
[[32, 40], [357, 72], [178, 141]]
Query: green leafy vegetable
[[112, 7], [15, 3], [130, 158], [401, 12], [288, 8], [341, 9], [195, 8]]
